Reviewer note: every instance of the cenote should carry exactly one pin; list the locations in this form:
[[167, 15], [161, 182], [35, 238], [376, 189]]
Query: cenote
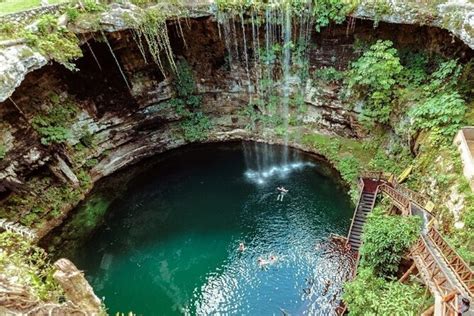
[[169, 243]]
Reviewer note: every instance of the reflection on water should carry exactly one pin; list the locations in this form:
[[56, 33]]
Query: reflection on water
[[170, 244]]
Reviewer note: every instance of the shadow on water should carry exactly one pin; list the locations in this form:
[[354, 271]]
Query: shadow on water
[[168, 242]]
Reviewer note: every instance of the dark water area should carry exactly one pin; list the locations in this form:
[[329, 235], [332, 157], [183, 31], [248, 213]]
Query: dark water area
[[169, 243]]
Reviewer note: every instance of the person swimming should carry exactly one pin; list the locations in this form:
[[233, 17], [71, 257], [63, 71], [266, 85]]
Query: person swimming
[[264, 262], [241, 247], [326, 287], [281, 193]]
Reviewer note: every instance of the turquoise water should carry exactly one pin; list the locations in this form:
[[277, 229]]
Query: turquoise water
[[170, 242]]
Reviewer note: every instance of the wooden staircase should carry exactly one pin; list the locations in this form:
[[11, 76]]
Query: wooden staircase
[[364, 207]]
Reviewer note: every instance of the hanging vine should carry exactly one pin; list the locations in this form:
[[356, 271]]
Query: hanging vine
[[150, 28]]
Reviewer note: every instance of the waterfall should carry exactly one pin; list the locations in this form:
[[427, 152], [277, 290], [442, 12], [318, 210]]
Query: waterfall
[[246, 58], [263, 164], [256, 50], [286, 76], [278, 62], [227, 38], [235, 36]]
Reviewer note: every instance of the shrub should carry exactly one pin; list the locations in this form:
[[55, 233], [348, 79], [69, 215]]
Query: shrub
[[196, 126], [349, 168], [374, 76], [29, 266], [329, 74], [185, 84], [327, 11], [442, 113], [92, 6], [54, 41], [371, 295], [386, 239], [7, 28], [72, 13], [53, 126]]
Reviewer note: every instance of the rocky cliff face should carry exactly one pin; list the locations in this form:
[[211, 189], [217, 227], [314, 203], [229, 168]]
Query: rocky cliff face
[[117, 120]]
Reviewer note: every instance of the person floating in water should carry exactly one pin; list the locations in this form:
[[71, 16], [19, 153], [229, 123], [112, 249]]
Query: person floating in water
[[327, 284], [281, 193], [241, 247], [264, 262]]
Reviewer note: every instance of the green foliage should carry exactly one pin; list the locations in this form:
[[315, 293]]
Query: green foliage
[[374, 76], [87, 139], [8, 28], [45, 200], [54, 41], [381, 8], [329, 74], [371, 295], [327, 11], [394, 160], [3, 151], [196, 127], [72, 13], [415, 71], [185, 83], [349, 168], [323, 11], [93, 6], [53, 126], [151, 26], [445, 76], [442, 113], [91, 163], [386, 239], [466, 80], [29, 266]]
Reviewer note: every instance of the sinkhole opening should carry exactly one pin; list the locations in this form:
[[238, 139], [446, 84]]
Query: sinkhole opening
[[168, 242]]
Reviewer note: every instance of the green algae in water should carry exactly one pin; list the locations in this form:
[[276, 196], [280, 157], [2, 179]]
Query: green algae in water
[[168, 245], [82, 223]]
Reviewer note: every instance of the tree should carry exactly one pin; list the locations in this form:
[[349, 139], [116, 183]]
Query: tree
[[386, 239], [368, 294], [373, 76]]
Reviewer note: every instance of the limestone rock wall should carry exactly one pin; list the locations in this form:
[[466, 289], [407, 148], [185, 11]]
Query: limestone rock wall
[[127, 125]]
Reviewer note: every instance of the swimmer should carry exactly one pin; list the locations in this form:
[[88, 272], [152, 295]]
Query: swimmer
[[262, 262], [326, 287], [282, 192], [273, 259], [241, 247]]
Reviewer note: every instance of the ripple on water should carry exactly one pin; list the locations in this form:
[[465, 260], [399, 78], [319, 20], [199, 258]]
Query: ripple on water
[[170, 244]]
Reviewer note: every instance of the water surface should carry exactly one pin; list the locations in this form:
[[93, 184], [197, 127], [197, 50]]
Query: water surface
[[169, 242]]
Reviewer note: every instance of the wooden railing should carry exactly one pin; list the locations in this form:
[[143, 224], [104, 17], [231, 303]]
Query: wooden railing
[[360, 185], [379, 176], [399, 199], [424, 257], [435, 276], [415, 197], [460, 268]]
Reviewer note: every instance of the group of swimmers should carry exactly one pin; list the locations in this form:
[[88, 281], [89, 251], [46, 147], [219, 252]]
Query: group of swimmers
[[261, 261]]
